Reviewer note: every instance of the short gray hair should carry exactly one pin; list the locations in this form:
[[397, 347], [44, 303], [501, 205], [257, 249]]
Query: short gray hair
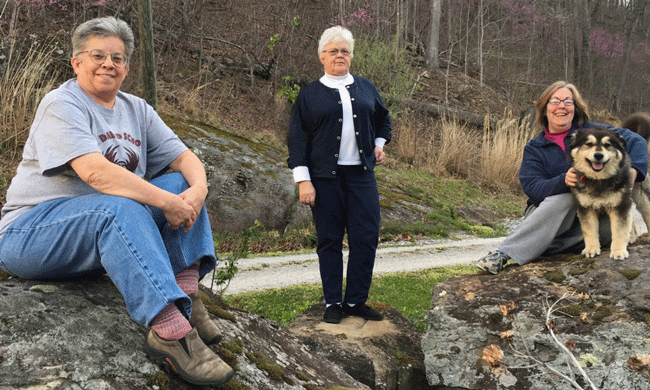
[[102, 27], [336, 34]]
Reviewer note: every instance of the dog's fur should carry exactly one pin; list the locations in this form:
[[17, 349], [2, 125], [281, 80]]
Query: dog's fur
[[639, 122], [604, 186]]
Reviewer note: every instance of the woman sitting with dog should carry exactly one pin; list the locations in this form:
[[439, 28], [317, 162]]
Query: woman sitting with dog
[[550, 223]]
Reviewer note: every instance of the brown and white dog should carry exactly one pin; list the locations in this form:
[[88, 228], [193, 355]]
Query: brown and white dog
[[604, 186]]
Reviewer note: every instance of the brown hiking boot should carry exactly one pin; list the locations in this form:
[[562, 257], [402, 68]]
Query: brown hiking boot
[[201, 321], [190, 358]]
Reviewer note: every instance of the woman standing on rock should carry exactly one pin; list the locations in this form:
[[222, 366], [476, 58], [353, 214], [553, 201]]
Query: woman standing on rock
[[551, 224], [87, 196], [337, 132]]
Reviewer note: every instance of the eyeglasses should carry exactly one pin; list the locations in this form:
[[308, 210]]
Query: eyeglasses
[[99, 57], [555, 101], [333, 52]]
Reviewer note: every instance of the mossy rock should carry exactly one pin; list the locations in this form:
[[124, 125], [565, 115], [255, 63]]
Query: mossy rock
[[630, 273], [555, 276]]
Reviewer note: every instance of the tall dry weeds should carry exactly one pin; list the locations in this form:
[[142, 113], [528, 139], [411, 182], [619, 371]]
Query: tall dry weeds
[[502, 152], [26, 78], [449, 148]]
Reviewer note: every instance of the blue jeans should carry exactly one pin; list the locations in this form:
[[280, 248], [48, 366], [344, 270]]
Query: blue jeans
[[133, 243], [350, 202]]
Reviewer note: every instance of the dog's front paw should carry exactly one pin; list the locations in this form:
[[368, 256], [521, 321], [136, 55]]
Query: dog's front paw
[[590, 252], [620, 254]]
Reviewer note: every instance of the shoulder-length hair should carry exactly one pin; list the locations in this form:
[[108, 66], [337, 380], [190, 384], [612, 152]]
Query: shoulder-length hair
[[581, 111]]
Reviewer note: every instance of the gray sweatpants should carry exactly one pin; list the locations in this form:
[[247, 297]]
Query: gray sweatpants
[[550, 228]]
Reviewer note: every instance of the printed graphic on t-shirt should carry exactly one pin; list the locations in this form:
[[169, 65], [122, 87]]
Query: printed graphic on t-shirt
[[119, 154], [127, 158]]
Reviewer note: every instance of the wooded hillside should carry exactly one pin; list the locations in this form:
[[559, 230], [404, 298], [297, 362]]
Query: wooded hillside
[[240, 62]]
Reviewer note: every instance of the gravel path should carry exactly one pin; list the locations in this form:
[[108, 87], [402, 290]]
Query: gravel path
[[260, 273]]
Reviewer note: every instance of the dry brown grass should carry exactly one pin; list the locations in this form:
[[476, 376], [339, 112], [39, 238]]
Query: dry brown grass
[[502, 152], [25, 80], [448, 148]]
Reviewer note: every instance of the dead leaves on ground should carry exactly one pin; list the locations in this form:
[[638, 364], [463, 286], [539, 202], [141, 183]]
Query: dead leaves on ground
[[492, 355], [507, 309], [640, 364]]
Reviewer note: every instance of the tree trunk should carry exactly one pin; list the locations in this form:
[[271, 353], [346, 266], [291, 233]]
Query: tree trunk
[[433, 63], [481, 38], [148, 57], [637, 10]]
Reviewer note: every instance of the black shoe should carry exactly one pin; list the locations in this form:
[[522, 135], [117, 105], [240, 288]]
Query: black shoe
[[362, 310], [333, 314]]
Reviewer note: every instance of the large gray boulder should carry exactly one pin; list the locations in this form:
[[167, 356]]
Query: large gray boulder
[[77, 335], [248, 181], [490, 331]]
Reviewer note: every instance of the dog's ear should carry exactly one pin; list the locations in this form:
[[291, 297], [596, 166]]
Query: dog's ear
[[573, 141], [620, 139]]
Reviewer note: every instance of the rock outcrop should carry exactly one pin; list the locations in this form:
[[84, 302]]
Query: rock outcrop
[[491, 331], [248, 181], [77, 335], [384, 355]]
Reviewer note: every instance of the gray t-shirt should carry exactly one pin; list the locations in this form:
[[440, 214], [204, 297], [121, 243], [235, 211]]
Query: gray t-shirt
[[68, 124]]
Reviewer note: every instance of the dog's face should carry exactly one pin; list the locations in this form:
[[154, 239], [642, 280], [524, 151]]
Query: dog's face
[[597, 152]]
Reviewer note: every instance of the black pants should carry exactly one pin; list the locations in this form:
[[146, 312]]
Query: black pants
[[350, 202]]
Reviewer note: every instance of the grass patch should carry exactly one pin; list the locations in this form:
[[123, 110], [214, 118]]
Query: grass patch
[[408, 292], [279, 304]]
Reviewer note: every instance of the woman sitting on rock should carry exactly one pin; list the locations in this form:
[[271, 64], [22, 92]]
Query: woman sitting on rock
[[89, 195]]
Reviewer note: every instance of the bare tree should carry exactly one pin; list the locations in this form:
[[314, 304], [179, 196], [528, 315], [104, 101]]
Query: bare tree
[[434, 34], [638, 9]]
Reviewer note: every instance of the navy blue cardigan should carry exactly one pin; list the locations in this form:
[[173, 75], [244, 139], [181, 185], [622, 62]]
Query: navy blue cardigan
[[545, 165], [317, 121]]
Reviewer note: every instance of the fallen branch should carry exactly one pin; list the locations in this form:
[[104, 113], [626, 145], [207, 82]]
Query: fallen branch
[[564, 349], [574, 361]]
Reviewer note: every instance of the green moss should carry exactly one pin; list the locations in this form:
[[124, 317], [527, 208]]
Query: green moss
[[235, 346], [578, 270], [229, 357], [555, 276], [217, 308], [602, 312], [234, 384], [301, 376], [571, 310], [630, 273], [4, 275], [275, 372], [228, 351], [159, 379], [402, 359]]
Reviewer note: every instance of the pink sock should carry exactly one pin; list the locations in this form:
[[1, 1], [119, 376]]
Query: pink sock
[[170, 324], [188, 279]]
